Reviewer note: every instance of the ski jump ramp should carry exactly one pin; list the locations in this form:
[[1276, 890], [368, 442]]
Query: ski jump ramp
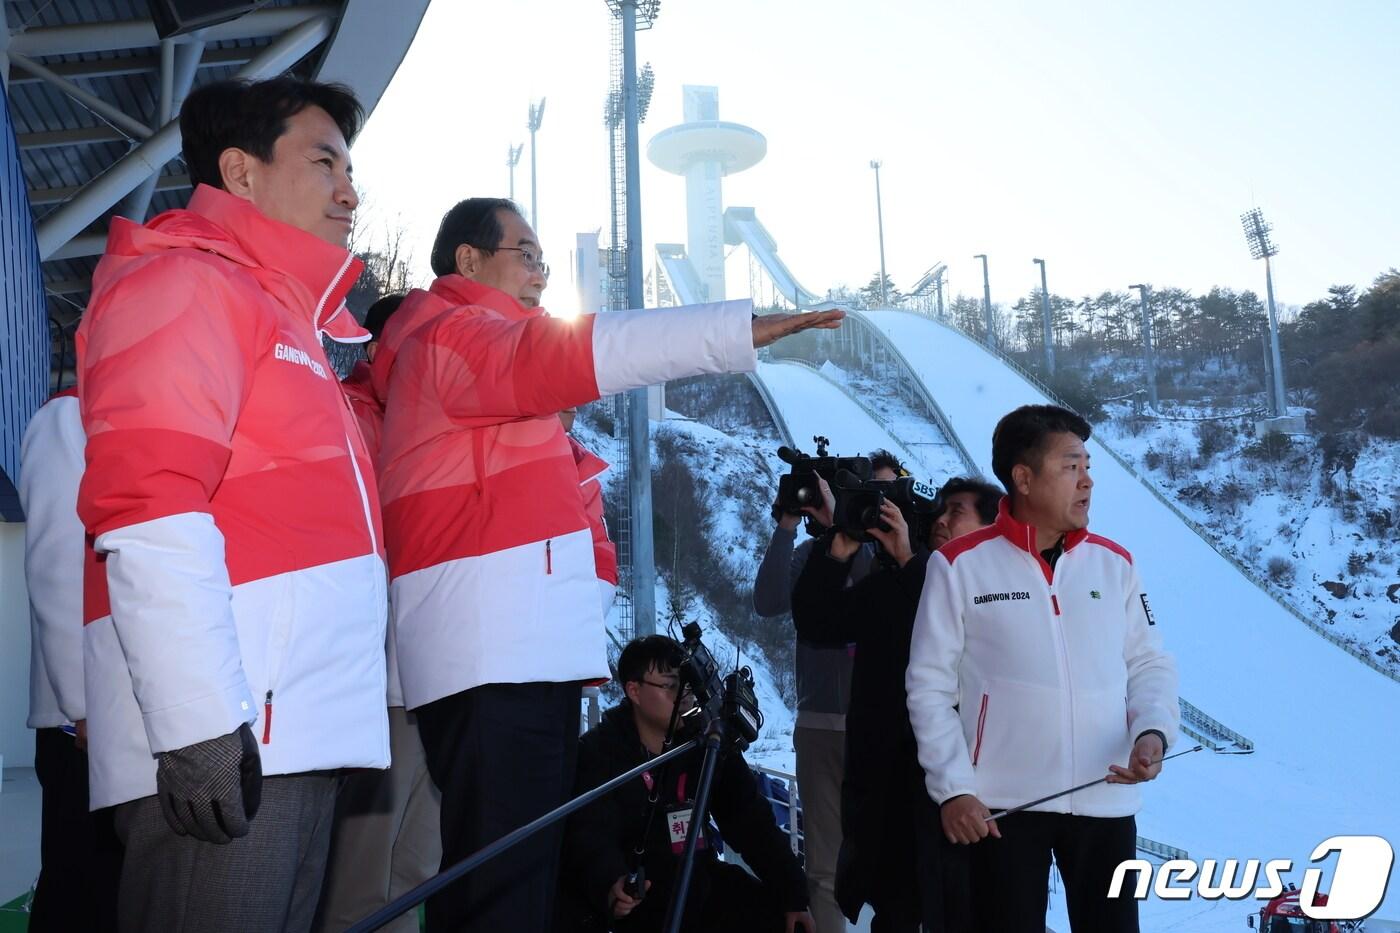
[[1323, 724]]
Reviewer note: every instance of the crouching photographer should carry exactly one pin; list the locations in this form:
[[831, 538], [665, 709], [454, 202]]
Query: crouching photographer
[[882, 796], [623, 853]]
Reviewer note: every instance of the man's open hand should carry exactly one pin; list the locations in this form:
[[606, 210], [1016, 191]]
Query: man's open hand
[[768, 328], [1144, 764]]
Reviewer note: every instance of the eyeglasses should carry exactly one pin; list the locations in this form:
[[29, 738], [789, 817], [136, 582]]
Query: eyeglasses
[[672, 687], [532, 262]]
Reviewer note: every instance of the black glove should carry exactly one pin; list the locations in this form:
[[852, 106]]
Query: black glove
[[211, 790]]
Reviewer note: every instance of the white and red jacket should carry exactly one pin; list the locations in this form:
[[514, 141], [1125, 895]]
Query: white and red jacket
[[239, 575], [494, 578], [590, 468], [1024, 681], [50, 468]]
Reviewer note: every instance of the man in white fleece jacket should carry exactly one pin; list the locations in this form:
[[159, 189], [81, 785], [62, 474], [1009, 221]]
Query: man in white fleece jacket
[[1036, 665]]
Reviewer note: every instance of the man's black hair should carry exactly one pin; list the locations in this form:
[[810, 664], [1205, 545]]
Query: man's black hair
[[379, 313], [988, 495], [475, 222], [648, 653], [881, 459], [1020, 436], [252, 116]]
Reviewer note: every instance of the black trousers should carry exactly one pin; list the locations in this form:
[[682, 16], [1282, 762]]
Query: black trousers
[[80, 856], [502, 755], [1011, 875], [944, 885]]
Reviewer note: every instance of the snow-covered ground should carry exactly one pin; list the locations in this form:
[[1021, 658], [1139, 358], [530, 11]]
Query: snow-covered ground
[[1322, 551]]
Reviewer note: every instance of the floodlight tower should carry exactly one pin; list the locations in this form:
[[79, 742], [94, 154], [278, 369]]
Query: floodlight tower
[[536, 118], [1045, 313], [880, 220], [1149, 361], [1256, 233], [704, 149], [512, 160], [987, 300], [634, 15]]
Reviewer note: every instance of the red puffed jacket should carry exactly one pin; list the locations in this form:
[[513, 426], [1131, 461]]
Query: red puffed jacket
[[491, 558], [238, 574]]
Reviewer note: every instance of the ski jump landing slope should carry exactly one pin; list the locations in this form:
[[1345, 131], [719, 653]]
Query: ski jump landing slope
[[1324, 725], [811, 405]]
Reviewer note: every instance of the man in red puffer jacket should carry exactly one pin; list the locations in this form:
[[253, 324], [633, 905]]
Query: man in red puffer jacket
[[492, 567], [238, 567]]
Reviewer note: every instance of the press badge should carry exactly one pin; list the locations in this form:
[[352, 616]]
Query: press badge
[[678, 824]]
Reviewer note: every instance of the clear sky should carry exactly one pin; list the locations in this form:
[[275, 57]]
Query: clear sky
[[1118, 140]]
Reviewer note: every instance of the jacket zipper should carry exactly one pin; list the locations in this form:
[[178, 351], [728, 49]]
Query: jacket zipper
[[1057, 623], [981, 724], [267, 719], [548, 557]]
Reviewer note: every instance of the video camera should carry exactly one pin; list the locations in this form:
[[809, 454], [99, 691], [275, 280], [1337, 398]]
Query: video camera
[[729, 698], [799, 487], [857, 508]]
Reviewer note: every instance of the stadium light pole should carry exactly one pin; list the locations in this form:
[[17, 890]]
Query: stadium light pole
[[880, 221], [1045, 313], [536, 118], [512, 160], [1149, 360], [1256, 233], [987, 300]]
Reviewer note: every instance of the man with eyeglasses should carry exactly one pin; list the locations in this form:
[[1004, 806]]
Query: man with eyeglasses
[[498, 608], [602, 837]]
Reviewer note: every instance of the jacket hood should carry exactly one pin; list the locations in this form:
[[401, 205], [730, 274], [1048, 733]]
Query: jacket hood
[[590, 465], [421, 306], [304, 271]]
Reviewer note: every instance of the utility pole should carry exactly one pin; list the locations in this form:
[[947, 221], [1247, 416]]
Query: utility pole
[[987, 301], [512, 160], [536, 118], [1148, 359], [1045, 312], [638, 430], [880, 219]]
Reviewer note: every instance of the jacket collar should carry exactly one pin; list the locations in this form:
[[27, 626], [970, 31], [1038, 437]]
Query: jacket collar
[[305, 272], [456, 290], [1023, 536]]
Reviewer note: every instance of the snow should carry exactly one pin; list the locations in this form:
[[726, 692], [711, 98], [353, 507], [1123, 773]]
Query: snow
[[1320, 720]]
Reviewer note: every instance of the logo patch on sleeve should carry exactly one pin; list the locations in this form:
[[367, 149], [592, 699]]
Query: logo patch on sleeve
[[1147, 611]]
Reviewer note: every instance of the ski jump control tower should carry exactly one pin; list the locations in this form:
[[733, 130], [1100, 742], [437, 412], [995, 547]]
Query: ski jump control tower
[[704, 149]]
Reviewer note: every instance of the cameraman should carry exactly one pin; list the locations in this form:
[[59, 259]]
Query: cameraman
[[601, 837], [881, 792], [823, 689]]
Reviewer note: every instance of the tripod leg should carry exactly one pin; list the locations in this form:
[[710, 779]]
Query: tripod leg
[[699, 815]]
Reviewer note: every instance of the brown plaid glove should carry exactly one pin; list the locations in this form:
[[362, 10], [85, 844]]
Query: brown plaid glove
[[211, 790]]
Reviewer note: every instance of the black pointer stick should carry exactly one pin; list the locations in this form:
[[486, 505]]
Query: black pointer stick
[[1034, 803]]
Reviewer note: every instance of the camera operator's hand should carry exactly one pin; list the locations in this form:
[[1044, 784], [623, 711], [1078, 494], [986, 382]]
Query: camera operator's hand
[[842, 546], [620, 904], [788, 521], [896, 540], [211, 790], [795, 917], [768, 328], [965, 820], [827, 510]]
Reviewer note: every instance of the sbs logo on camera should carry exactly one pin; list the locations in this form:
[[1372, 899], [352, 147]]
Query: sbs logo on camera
[[1358, 886]]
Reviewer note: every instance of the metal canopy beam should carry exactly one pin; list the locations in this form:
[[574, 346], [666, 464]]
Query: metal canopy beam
[[114, 115], [132, 65], [141, 33], [81, 136], [100, 194], [44, 196]]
